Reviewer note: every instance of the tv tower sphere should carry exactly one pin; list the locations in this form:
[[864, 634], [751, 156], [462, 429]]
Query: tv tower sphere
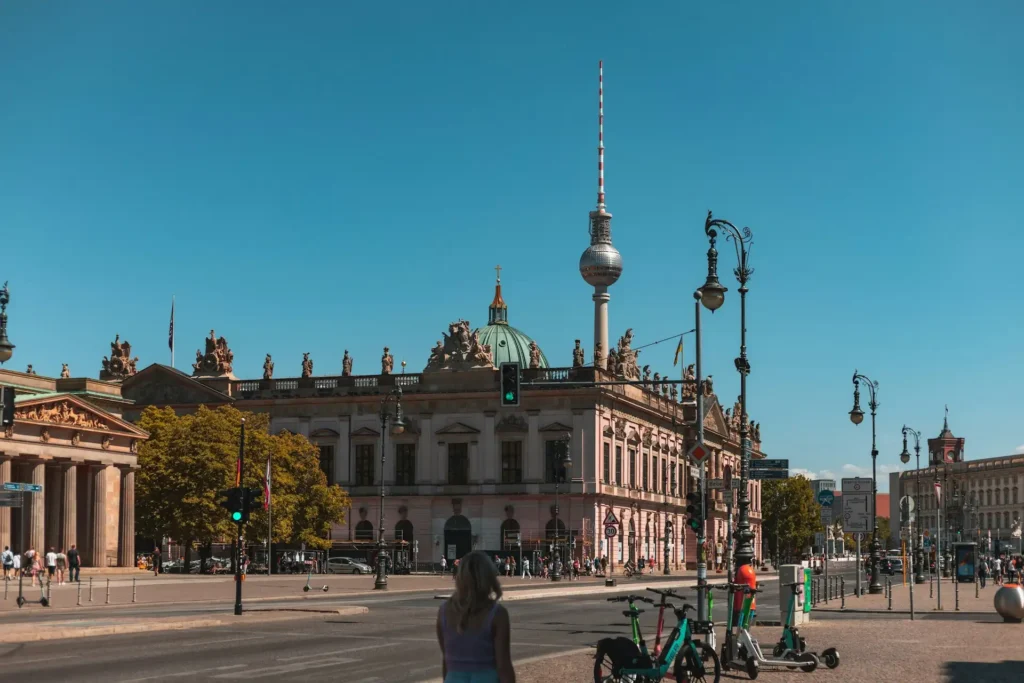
[[601, 264]]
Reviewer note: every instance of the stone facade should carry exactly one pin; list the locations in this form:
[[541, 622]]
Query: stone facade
[[69, 437], [466, 472]]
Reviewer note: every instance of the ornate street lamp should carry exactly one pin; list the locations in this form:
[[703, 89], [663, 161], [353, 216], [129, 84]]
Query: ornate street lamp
[[561, 470], [713, 296], [397, 427], [919, 562], [6, 347], [856, 417]]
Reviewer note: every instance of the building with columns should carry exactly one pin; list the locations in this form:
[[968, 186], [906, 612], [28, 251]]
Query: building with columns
[[69, 437]]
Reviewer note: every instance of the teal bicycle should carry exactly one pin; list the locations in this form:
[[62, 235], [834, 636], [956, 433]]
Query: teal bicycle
[[625, 660]]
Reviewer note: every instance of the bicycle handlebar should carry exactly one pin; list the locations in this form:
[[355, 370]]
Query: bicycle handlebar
[[738, 587], [631, 598], [668, 593]]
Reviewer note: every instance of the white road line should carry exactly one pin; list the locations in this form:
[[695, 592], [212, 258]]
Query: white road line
[[187, 673], [290, 668], [333, 653]]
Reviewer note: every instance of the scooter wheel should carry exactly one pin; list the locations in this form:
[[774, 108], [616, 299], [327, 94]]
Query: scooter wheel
[[753, 668], [305, 589], [44, 602], [810, 659], [20, 601], [778, 650], [724, 658], [831, 657], [803, 645]]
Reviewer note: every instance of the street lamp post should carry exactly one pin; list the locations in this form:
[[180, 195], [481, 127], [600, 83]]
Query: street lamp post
[[915, 538], [398, 427], [778, 535], [561, 468], [713, 296], [6, 347], [856, 417]]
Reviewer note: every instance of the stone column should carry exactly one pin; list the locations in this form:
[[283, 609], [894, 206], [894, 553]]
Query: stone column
[[53, 501], [98, 547], [69, 521], [5, 513], [35, 509], [126, 542], [85, 540]]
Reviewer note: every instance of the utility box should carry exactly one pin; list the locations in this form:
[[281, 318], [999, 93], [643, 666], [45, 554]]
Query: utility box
[[790, 574]]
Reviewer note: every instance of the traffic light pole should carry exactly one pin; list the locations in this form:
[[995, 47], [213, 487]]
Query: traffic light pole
[[238, 537]]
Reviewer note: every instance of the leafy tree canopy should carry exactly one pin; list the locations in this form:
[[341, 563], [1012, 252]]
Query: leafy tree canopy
[[189, 458], [790, 513]]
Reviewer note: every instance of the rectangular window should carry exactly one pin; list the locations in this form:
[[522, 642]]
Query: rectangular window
[[327, 462], [364, 464], [618, 465], [511, 462], [458, 464], [606, 470], [633, 474], [405, 464], [672, 490], [664, 477], [552, 458], [632, 454]]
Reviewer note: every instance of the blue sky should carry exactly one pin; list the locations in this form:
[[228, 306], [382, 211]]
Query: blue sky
[[332, 175]]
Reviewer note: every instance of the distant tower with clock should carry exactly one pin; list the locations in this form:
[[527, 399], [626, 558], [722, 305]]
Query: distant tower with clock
[[945, 447]]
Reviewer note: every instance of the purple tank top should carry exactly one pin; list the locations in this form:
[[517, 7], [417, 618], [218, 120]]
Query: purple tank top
[[470, 650]]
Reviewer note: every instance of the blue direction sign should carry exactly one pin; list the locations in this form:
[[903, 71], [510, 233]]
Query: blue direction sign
[[16, 486], [769, 469], [826, 498]]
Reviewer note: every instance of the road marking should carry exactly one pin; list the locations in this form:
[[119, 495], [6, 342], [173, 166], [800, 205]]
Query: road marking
[[531, 660], [188, 673], [333, 652], [287, 669]]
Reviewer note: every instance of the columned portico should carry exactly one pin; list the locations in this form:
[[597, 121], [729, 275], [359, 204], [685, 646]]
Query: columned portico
[[69, 516], [126, 541], [100, 493]]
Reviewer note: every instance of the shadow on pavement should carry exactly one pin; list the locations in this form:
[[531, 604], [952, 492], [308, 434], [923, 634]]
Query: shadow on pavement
[[984, 672]]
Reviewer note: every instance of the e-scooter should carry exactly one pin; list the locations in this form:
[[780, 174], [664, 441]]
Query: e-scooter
[[792, 643], [741, 650]]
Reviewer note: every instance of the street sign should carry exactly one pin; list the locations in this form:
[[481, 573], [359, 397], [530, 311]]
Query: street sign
[[16, 486], [826, 515], [769, 469], [856, 485], [11, 499], [719, 484], [826, 498], [610, 519], [770, 464], [906, 505], [727, 497], [698, 452], [611, 531]]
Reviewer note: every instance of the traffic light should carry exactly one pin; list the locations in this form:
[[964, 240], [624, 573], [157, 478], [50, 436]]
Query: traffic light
[[252, 499], [7, 400], [509, 384], [233, 500], [694, 510]]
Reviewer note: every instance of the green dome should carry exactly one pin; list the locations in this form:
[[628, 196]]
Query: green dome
[[508, 345]]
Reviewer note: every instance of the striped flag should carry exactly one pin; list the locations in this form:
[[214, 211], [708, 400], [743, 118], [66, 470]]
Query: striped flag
[[679, 350], [266, 487]]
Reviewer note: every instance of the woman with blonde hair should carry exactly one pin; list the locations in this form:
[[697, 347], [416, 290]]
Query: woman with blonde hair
[[473, 630]]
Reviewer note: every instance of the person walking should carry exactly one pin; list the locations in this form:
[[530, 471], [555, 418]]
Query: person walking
[[51, 565], [62, 565], [982, 572], [7, 560], [526, 568], [444, 565], [473, 630], [74, 564], [157, 562]]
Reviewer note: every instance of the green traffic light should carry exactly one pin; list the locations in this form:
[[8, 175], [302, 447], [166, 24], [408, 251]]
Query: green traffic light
[[236, 516], [509, 396]]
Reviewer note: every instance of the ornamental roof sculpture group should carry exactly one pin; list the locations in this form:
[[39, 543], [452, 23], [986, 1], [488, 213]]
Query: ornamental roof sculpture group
[[462, 350]]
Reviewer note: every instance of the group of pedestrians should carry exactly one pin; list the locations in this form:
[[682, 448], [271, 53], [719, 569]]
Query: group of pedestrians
[[1010, 569], [61, 566]]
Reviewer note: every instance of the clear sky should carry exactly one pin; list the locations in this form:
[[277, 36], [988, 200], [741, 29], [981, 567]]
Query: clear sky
[[317, 176]]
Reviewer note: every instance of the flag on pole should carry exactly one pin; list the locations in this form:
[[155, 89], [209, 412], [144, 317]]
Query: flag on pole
[[679, 349], [170, 331], [266, 487], [238, 473], [938, 493]]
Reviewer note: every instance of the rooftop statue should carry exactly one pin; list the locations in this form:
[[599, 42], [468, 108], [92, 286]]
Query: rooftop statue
[[121, 364]]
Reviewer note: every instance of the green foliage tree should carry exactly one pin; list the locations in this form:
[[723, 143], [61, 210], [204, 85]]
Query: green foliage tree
[[189, 458], [790, 516], [885, 537]]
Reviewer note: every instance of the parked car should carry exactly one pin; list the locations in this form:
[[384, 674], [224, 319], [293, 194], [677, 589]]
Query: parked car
[[346, 565]]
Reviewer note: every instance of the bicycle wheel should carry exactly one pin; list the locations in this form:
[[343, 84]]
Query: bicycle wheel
[[697, 665], [605, 669]]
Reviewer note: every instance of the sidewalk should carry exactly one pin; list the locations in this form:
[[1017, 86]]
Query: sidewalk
[[922, 602], [870, 651]]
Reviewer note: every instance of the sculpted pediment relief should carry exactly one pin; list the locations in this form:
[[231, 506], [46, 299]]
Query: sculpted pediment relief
[[511, 423], [161, 385], [72, 412], [620, 428], [715, 420], [634, 437], [608, 431], [457, 428]]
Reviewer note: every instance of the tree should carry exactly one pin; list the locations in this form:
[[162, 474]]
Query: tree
[[885, 538], [189, 458], [790, 514]]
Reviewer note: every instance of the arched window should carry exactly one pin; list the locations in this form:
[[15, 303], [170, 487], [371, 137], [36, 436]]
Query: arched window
[[1006, 495], [509, 529], [549, 529], [364, 531], [403, 531]]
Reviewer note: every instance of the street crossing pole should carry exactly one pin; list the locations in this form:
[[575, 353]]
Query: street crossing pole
[[702, 565], [238, 544]]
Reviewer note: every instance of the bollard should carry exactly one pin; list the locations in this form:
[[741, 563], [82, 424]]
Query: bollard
[[842, 593], [889, 583], [975, 586], [108, 592], [956, 596], [931, 586], [827, 587], [90, 589], [133, 589], [79, 593]]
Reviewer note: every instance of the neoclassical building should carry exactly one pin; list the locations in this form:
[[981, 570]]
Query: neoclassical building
[[69, 437], [468, 473]]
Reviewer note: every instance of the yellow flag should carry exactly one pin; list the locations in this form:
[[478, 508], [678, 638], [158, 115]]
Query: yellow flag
[[679, 349]]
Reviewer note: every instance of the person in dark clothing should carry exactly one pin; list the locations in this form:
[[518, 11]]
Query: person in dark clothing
[[74, 564]]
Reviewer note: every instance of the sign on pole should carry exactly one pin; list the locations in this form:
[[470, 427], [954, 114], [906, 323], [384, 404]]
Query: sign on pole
[[826, 498], [11, 499], [826, 515], [769, 469], [698, 452], [857, 505], [611, 531], [17, 486], [610, 519]]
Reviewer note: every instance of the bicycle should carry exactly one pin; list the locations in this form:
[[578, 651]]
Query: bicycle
[[621, 660], [661, 615]]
